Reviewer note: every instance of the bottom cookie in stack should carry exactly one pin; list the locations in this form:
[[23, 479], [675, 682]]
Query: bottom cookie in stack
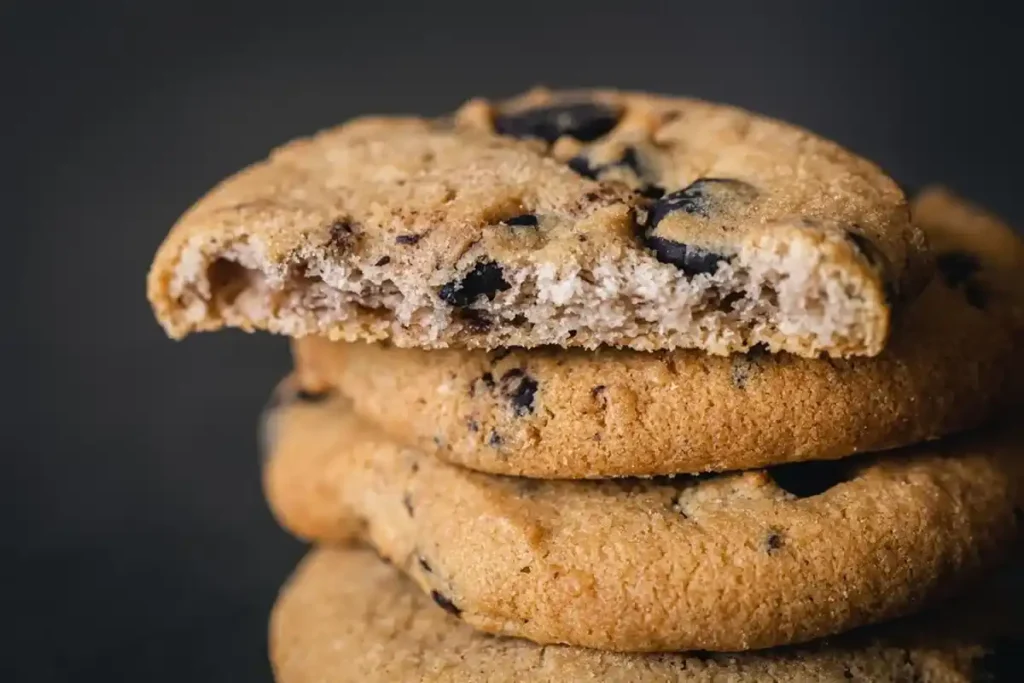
[[724, 562], [347, 616]]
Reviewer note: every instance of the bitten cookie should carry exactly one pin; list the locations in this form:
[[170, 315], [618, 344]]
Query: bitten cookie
[[952, 362], [569, 218], [724, 562], [347, 616]]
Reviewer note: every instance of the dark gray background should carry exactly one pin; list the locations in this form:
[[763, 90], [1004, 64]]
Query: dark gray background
[[136, 542]]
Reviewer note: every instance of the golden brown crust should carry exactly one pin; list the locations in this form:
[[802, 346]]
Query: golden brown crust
[[346, 616], [730, 562], [952, 363], [357, 232]]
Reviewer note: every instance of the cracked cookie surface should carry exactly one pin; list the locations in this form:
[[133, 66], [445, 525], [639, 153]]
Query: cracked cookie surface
[[569, 218]]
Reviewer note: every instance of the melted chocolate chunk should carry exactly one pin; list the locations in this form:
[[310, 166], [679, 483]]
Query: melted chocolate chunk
[[446, 604], [520, 389], [689, 259], [652, 191], [528, 220], [707, 198], [412, 238], [383, 261], [486, 279], [581, 165], [811, 478], [976, 295], [957, 267], [703, 197], [630, 160], [585, 121], [774, 542]]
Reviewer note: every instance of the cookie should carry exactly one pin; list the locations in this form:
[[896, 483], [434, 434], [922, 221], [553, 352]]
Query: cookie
[[569, 218], [952, 362], [721, 562], [347, 616]]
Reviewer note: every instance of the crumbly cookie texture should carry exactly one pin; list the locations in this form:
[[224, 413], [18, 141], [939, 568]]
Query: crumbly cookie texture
[[347, 616], [570, 218], [951, 363], [726, 562]]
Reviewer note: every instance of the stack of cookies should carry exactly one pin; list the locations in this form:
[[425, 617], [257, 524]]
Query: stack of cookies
[[622, 387]]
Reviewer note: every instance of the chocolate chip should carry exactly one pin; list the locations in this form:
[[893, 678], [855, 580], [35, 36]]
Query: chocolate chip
[[705, 199], [728, 302], [702, 197], [585, 121], [383, 261], [488, 380], [689, 259], [472, 425], [520, 389], [957, 267], [976, 295], [652, 191], [475, 319], [412, 238], [745, 366], [774, 542], [424, 565], [523, 220], [486, 279], [342, 233], [629, 159], [525, 570], [811, 478], [307, 396], [445, 604], [582, 166], [494, 440], [407, 504]]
